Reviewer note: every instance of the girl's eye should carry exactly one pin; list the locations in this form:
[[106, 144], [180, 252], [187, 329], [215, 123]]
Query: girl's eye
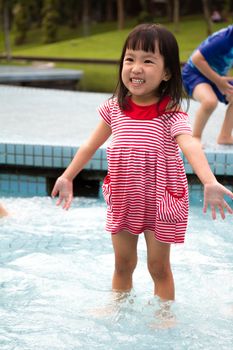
[[148, 61], [128, 59]]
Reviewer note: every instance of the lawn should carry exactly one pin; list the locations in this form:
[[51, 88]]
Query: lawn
[[104, 42]]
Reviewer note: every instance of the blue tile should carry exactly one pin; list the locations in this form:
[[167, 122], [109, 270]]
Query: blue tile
[[229, 158], [65, 162], [23, 188], [98, 154], [14, 186], [47, 151], [57, 162], [19, 149], [2, 158], [219, 169], [210, 157], [229, 169], [220, 158], [10, 159], [29, 160], [57, 151], [19, 159], [188, 168], [96, 164], [104, 165], [47, 161], [2, 148], [67, 152], [10, 148], [28, 150], [5, 185], [38, 150], [38, 160]]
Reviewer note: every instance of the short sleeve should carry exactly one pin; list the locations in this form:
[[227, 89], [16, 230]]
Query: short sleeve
[[104, 111], [180, 125]]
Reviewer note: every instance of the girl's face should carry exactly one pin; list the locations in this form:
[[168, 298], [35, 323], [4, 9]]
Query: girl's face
[[142, 74]]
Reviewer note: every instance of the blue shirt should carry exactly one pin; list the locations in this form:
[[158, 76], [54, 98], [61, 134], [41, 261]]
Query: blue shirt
[[217, 50]]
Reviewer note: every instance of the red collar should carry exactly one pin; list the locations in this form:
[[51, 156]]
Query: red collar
[[135, 111]]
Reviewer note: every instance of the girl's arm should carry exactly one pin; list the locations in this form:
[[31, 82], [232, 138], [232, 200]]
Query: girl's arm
[[64, 185], [222, 82], [213, 191]]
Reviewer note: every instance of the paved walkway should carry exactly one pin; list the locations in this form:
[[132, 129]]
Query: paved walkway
[[41, 123]]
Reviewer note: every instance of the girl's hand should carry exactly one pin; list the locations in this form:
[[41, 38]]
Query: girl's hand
[[64, 188], [214, 197]]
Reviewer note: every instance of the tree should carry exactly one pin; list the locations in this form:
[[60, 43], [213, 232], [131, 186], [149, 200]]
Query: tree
[[120, 14], [207, 16], [50, 21], [21, 21], [4, 8], [176, 15]]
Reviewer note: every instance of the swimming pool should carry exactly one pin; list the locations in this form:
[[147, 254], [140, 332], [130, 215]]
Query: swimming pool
[[55, 281]]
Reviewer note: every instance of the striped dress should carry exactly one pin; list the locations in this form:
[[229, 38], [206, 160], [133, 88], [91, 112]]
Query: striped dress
[[146, 186]]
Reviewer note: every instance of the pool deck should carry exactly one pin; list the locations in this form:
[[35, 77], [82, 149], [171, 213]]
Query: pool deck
[[43, 128]]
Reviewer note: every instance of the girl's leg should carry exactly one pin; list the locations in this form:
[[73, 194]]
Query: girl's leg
[[158, 260], [204, 94], [3, 211], [125, 249], [225, 135]]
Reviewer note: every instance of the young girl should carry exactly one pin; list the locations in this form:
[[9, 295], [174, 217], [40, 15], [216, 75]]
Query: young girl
[[146, 188]]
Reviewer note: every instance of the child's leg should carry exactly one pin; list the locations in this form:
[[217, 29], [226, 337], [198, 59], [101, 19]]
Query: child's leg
[[158, 260], [204, 94], [3, 211], [225, 135], [125, 249]]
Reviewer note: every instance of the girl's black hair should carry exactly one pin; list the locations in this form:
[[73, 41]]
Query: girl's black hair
[[145, 37]]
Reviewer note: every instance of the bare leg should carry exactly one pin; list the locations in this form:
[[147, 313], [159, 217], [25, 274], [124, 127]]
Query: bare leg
[[225, 135], [204, 94], [125, 248], [3, 211], [158, 255]]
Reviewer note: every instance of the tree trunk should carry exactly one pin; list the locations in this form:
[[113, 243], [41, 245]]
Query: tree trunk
[[207, 16], [176, 15], [6, 26], [86, 17], [120, 14], [109, 11]]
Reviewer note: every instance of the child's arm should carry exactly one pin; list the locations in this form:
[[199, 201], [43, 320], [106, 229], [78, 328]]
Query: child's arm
[[213, 191], [222, 82], [64, 185]]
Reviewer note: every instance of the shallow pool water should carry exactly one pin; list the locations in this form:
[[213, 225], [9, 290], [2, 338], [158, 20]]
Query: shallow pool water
[[55, 284]]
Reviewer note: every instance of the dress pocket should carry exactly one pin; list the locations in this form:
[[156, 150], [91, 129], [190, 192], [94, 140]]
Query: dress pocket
[[107, 193], [173, 208]]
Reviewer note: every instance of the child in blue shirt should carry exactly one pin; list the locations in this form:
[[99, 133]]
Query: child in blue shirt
[[205, 77]]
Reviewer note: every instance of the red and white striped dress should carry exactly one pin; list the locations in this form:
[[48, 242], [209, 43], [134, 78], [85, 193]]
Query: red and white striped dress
[[146, 186]]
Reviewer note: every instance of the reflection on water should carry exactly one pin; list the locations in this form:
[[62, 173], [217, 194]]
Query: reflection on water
[[55, 280]]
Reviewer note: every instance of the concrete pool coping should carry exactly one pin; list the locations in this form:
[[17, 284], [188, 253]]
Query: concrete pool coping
[[43, 128]]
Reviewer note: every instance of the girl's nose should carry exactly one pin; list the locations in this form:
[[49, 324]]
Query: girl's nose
[[137, 68]]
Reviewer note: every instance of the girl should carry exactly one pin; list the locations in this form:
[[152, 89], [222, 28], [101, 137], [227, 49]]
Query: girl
[[146, 188]]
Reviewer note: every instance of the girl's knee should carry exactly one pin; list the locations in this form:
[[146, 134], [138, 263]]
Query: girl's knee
[[125, 265], [159, 270]]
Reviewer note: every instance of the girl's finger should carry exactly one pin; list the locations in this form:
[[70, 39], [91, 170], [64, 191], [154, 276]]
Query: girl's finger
[[221, 210], [213, 212]]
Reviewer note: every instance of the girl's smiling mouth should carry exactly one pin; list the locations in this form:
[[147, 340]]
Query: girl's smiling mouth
[[137, 81]]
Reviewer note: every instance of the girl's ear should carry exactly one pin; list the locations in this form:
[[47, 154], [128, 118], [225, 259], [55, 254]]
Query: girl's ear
[[167, 75]]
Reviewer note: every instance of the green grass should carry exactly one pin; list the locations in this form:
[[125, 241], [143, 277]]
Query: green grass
[[105, 42]]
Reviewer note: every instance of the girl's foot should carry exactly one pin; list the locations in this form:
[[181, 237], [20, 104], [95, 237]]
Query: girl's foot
[[225, 140]]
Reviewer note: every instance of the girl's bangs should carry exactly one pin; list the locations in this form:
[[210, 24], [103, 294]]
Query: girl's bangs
[[143, 40]]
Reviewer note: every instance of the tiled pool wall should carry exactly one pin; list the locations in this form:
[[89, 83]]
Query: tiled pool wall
[[22, 161]]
